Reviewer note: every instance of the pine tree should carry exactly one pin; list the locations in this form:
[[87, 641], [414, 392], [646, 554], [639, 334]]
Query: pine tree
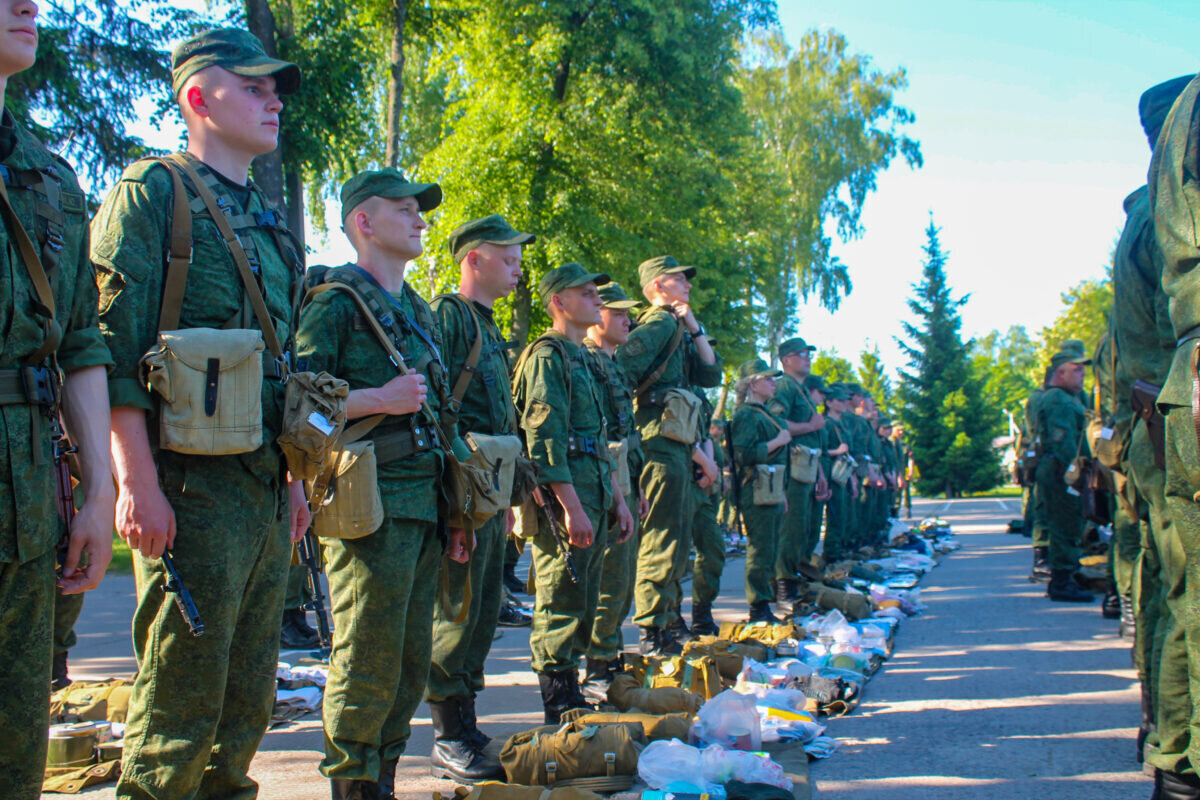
[[940, 397]]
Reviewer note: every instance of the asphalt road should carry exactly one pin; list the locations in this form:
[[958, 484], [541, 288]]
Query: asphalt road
[[993, 692]]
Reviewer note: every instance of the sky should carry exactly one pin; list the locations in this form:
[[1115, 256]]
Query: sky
[[1027, 118]]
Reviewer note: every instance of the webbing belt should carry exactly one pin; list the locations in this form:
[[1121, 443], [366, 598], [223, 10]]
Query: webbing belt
[[584, 444], [33, 386], [402, 444]]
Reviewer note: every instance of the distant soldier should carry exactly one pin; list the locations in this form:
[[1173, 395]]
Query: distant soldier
[[53, 362], [1035, 509], [843, 485]]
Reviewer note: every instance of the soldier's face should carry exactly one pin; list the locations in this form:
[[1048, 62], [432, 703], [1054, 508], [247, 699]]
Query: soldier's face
[[397, 225], [764, 387], [818, 397], [18, 36], [614, 326], [243, 112], [581, 305], [497, 268], [797, 363], [1070, 377], [675, 286]]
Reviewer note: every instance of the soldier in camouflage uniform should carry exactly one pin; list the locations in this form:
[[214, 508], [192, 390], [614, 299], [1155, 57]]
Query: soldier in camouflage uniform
[[795, 407], [668, 350], [200, 705], [816, 388], [561, 411], [620, 556], [1111, 440], [51, 216], [489, 254], [836, 443], [1173, 203], [1035, 509], [708, 538]]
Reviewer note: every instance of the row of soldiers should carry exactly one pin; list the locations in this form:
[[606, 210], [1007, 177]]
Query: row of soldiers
[[1143, 428], [107, 326]]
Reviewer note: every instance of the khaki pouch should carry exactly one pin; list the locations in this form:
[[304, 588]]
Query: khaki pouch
[[352, 508], [841, 471], [729, 656], [495, 459], [597, 757], [210, 381], [657, 727], [805, 463], [698, 674], [680, 421], [768, 485], [627, 694], [314, 414], [619, 453]]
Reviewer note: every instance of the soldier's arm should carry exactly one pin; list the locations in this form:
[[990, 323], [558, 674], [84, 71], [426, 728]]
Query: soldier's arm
[[701, 371]]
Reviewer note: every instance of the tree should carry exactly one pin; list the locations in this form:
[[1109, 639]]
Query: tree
[[1007, 365], [873, 377], [1084, 316], [940, 396], [832, 367]]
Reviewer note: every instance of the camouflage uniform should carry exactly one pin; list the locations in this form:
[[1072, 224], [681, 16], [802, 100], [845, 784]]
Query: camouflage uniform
[[837, 533], [1060, 424], [791, 403], [30, 526]]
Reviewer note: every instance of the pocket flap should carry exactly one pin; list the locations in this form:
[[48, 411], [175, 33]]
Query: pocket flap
[[195, 346]]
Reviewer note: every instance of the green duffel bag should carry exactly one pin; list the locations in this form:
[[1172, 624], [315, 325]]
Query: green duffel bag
[[600, 758], [657, 726]]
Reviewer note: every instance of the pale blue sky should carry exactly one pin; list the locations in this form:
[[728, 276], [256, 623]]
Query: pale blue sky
[[1027, 118]]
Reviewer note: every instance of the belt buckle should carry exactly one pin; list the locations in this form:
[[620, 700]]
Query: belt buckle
[[40, 385]]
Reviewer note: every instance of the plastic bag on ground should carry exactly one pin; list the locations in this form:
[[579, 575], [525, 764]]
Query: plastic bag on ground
[[722, 766], [730, 720], [671, 763]]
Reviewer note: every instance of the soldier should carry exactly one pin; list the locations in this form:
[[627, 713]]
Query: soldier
[[708, 538], [489, 254], [561, 415], [49, 320], [1125, 545], [1035, 510], [836, 444], [200, 705], [1173, 199], [295, 633], [760, 441], [380, 589], [1060, 425], [859, 435], [816, 388], [796, 408], [620, 555], [666, 355]]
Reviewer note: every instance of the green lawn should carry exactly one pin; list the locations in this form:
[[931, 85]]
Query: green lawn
[[122, 560], [1008, 490]]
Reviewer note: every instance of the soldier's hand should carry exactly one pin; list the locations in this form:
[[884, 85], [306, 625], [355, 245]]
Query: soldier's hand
[[579, 528], [854, 489], [145, 520], [403, 394], [707, 466], [782, 438], [643, 506], [685, 313], [840, 450], [625, 522], [299, 515], [456, 546], [817, 421], [91, 533], [822, 488]]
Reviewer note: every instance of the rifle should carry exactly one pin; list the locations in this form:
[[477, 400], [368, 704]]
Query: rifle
[[307, 548], [727, 425], [560, 535], [64, 492], [183, 598]]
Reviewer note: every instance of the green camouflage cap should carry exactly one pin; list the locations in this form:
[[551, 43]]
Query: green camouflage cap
[[566, 277], [757, 368], [1156, 102], [658, 266], [236, 50], [883, 422], [795, 345], [815, 382], [1070, 352], [390, 183], [853, 389], [487, 230], [836, 391], [614, 297]]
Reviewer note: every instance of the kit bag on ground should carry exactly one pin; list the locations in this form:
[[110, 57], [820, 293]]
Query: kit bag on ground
[[729, 656], [697, 674], [658, 727], [601, 758], [627, 694]]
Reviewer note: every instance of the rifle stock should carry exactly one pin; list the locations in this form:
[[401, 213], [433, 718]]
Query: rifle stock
[[308, 549], [560, 535]]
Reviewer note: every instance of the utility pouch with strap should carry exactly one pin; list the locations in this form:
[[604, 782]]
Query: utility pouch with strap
[[344, 494], [842, 470], [1144, 399], [495, 459], [769, 489], [618, 452], [681, 410], [806, 461]]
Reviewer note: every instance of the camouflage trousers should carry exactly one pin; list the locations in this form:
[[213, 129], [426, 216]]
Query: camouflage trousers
[[666, 538], [296, 594], [26, 614], [382, 591], [709, 541], [460, 649], [762, 549], [837, 522], [67, 608], [616, 591], [794, 546], [1064, 515], [201, 704], [565, 610]]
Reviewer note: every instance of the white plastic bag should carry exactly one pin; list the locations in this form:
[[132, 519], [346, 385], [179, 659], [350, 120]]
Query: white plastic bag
[[662, 764], [728, 720], [722, 766]]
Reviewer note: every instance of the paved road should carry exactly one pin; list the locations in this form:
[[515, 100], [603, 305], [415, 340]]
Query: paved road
[[992, 693]]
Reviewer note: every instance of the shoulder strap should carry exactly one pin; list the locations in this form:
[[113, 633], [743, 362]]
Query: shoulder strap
[[180, 258], [548, 341], [653, 377], [180, 161], [469, 368], [766, 414], [44, 297]]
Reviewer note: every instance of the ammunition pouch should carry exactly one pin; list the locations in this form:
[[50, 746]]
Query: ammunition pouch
[[680, 417], [618, 452], [314, 414], [348, 504], [841, 470], [495, 460], [768, 484], [805, 463]]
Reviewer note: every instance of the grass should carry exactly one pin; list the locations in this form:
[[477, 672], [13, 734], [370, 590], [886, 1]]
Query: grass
[[1000, 491], [122, 560]]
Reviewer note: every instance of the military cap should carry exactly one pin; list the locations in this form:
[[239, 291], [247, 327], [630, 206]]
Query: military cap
[[236, 50], [493, 229], [568, 276], [853, 389], [883, 422], [836, 391], [658, 266], [795, 345], [815, 382], [1155, 103], [1070, 351], [390, 183], [757, 368], [614, 297]]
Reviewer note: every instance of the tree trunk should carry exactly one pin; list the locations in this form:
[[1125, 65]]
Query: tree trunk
[[267, 169], [396, 83], [295, 208]]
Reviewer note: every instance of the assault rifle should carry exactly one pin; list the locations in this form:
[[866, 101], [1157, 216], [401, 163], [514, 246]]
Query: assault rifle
[[64, 492], [560, 534], [183, 598], [308, 550], [734, 477]]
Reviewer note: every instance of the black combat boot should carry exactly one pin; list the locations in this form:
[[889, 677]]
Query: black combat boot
[[387, 779], [452, 756], [1111, 607], [1175, 786], [761, 612], [511, 581], [560, 692], [1063, 589], [354, 790], [1041, 564], [785, 590], [598, 677], [655, 642], [1148, 724], [58, 672], [477, 738], [703, 623], [295, 634], [678, 630]]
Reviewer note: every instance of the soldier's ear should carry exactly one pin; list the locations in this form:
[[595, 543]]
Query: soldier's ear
[[194, 98]]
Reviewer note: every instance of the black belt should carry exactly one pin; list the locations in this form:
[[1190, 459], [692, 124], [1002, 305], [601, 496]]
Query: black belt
[[584, 444], [32, 386], [404, 443]]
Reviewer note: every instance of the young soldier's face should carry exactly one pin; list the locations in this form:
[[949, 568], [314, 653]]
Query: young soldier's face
[[581, 305], [497, 268], [614, 326], [18, 36], [244, 112], [818, 397], [676, 287], [764, 387], [397, 225], [799, 363]]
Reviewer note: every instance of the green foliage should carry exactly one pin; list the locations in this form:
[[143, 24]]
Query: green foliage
[[1008, 367], [832, 367], [1084, 316], [941, 399], [872, 376]]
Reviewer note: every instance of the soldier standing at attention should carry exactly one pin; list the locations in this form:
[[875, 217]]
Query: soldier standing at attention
[[620, 554], [707, 538], [795, 407], [667, 353], [200, 705], [1061, 420], [489, 253], [836, 442], [815, 385], [382, 585], [50, 333], [760, 441], [1035, 508], [561, 411]]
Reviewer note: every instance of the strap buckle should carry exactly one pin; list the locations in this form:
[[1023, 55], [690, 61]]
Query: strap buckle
[[41, 387]]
